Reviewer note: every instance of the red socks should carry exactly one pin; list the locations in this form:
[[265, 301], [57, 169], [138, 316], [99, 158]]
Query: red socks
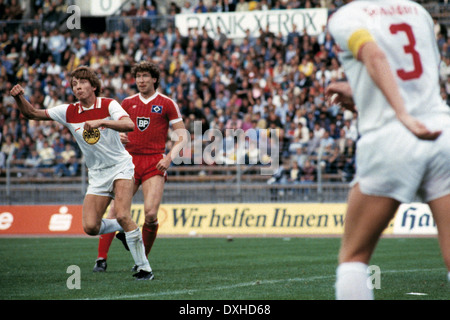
[[104, 243], [149, 232]]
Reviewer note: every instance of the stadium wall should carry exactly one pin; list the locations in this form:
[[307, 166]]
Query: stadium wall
[[221, 220]]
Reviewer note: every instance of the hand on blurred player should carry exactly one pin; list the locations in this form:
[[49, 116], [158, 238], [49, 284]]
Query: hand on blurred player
[[340, 93], [418, 128], [17, 90]]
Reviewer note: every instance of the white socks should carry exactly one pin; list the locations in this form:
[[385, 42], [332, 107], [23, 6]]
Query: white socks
[[134, 241], [109, 225], [136, 245], [352, 282]]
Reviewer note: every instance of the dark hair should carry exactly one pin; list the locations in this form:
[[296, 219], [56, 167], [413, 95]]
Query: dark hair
[[87, 73], [145, 66]]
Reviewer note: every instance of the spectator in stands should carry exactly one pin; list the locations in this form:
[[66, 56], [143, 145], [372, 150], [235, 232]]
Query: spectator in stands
[[234, 122], [187, 7], [309, 172], [67, 164], [58, 145], [57, 45], [15, 10], [33, 161], [22, 151], [52, 99], [200, 7], [47, 155], [295, 172], [8, 146], [133, 10], [242, 6], [228, 6]]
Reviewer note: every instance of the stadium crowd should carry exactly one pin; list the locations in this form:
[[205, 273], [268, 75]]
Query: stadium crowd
[[265, 81]]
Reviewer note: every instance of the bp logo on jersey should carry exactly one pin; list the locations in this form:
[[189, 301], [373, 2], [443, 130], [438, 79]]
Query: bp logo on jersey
[[92, 136], [142, 123]]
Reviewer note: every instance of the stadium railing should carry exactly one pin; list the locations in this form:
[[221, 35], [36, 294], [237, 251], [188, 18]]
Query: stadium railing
[[19, 26], [186, 184]]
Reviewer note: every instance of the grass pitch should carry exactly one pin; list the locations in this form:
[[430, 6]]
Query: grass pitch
[[215, 269]]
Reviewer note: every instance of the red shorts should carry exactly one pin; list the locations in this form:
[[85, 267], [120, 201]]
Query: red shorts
[[145, 167]]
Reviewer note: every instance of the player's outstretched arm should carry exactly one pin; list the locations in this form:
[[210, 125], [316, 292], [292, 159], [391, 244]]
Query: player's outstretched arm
[[379, 70], [30, 112]]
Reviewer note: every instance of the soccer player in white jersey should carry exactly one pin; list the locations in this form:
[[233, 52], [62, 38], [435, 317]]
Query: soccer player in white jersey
[[95, 123], [390, 56]]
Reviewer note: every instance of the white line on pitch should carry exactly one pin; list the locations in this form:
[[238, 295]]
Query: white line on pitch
[[240, 285]]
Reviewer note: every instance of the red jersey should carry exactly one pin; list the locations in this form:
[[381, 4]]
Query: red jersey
[[151, 118]]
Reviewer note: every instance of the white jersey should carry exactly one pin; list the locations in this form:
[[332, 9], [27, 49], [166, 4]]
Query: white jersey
[[102, 148], [404, 31]]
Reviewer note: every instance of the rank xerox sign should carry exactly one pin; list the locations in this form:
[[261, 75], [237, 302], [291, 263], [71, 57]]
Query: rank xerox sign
[[235, 24]]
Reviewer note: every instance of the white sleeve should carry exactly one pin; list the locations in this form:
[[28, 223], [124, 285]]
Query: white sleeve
[[116, 111], [58, 113], [344, 23]]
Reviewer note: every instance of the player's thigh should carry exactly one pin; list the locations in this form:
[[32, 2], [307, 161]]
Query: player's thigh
[[123, 196], [367, 216], [94, 206], [436, 182], [112, 211], [153, 189], [441, 213]]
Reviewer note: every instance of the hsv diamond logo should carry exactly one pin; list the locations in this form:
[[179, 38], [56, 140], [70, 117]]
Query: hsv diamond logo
[[142, 123], [157, 109]]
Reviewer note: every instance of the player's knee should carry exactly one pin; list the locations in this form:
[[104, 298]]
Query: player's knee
[[122, 219], [91, 230], [151, 218]]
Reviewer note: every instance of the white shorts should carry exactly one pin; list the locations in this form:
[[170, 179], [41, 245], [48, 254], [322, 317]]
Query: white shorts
[[393, 163], [101, 181]]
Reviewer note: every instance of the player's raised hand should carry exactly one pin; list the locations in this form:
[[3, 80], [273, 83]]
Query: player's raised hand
[[17, 90]]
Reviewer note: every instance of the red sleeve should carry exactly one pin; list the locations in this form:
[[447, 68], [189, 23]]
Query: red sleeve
[[125, 105], [173, 112]]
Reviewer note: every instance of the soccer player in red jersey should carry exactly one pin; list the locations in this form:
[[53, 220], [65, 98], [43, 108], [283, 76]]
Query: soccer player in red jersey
[[152, 113]]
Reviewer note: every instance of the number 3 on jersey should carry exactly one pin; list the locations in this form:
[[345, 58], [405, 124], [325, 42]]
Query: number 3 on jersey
[[409, 49]]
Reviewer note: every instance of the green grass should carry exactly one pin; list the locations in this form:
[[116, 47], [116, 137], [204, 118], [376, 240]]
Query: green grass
[[215, 269]]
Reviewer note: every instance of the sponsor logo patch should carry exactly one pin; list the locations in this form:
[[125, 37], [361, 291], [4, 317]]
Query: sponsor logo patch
[[142, 123], [91, 137]]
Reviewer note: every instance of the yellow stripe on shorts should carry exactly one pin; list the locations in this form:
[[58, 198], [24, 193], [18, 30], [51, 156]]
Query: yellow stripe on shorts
[[357, 39]]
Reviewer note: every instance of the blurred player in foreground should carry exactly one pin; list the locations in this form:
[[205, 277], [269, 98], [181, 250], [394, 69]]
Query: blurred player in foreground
[[390, 55], [151, 113], [96, 122]]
